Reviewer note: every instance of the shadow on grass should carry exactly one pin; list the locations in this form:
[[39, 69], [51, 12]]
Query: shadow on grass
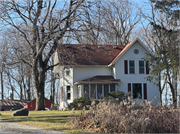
[[51, 120], [38, 118], [47, 119]]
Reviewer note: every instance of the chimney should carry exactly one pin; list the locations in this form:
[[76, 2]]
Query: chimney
[[99, 46], [83, 46], [114, 47], [67, 46], [11, 96]]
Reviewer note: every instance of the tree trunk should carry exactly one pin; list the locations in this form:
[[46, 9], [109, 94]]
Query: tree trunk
[[29, 87], [39, 98], [174, 97], [166, 95], [2, 86], [39, 83], [12, 88], [175, 88], [160, 91], [21, 90]]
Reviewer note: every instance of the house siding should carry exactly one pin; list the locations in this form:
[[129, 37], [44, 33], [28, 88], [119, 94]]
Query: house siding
[[134, 78], [85, 72]]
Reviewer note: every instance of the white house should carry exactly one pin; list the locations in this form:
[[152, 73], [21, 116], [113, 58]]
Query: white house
[[94, 70]]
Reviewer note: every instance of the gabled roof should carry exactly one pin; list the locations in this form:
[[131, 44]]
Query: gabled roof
[[80, 54], [123, 51], [128, 46], [100, 79]]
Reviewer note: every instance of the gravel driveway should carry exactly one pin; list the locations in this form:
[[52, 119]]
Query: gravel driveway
[[7, 127]]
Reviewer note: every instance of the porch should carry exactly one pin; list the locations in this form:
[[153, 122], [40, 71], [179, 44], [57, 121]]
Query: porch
[[97, 87]]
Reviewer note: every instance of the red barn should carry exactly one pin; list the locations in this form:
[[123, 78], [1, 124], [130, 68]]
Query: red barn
[[32, 104]]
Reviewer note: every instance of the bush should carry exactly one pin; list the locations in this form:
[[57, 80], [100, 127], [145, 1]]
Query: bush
[[115, 96], [126, 117], [79, 103]]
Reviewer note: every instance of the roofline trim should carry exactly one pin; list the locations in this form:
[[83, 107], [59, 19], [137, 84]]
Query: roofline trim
[[86, 65], [98, 82], [126, 49]]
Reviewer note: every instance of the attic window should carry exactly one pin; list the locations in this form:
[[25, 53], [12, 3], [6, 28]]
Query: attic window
[[136, 51], [83, 46]]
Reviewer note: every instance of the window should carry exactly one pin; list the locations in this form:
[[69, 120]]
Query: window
[[106, 90], [68, 93], [137, 90], [141, 67], [145, 90], [86, 90], [93, 91], [99, 91], [67, 70], [112, 87], [131, 67]]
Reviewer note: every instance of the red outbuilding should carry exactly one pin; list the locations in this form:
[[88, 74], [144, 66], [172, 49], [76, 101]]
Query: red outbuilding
[[32, 104]]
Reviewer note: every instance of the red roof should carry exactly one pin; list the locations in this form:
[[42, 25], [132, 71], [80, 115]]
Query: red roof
[[101, 78], [123, 50], [80, 54], [77, 54]]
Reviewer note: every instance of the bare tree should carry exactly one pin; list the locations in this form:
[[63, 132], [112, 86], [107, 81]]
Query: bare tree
[[119, 19], [107, 22], [162, 37], [90, 28], [45, 22]]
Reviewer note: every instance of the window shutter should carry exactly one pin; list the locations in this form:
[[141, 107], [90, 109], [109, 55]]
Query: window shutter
[[129, 87], [125, 67], [147, 67], [145, 90]]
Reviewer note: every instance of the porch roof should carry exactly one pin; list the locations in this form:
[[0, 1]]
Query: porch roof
[[99, 79]]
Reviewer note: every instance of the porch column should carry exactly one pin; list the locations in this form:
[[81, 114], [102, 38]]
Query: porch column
[[89, 91], [103, 90], [82, 90], [96, 91]]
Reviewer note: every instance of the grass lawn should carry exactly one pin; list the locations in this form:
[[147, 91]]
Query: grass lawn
[[55, 120]]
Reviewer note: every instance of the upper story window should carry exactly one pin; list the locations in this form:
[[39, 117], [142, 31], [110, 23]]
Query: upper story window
[[131, 67], [141, 67], [68, 92], [67, 70]]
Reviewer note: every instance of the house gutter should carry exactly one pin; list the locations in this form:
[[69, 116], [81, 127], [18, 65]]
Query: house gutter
[[98, 82]]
